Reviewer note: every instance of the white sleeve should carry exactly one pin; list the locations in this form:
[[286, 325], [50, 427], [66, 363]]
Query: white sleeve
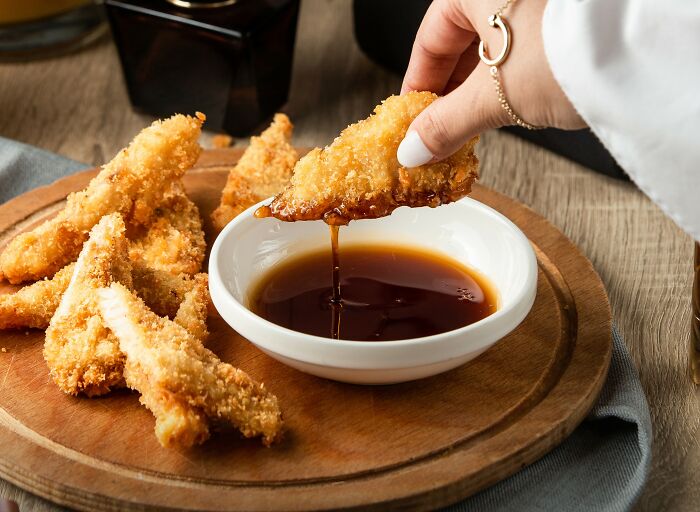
[[632, 70]]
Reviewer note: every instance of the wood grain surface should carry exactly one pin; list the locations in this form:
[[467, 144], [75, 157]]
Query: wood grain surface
[[422, 444], [76, 105]]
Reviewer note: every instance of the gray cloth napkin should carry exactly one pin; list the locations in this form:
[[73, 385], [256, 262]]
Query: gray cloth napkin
[[24, 167], [602, 466]]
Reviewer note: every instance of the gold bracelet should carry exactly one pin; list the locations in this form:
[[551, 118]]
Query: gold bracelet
[[497, 20]]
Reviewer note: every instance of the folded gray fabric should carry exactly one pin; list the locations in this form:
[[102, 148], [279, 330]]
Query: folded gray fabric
[[24, 167], [602, 466]]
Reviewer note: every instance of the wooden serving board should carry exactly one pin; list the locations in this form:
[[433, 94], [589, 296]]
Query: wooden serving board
[[417, 445]]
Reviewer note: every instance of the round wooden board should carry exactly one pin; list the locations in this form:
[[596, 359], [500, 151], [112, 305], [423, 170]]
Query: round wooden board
[[417, 445]]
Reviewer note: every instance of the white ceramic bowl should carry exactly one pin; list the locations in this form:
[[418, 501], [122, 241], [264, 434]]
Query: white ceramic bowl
[[467, 231]]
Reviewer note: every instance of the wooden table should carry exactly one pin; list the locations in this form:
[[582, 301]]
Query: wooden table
[[77, 106]]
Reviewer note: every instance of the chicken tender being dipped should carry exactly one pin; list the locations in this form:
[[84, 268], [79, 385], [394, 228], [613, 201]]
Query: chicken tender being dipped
[[164, 360], [359, 177], [263, 171], [132, 184]]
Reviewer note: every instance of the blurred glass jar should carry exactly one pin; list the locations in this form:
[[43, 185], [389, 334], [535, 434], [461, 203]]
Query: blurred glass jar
[[36, 28], [230, 59]]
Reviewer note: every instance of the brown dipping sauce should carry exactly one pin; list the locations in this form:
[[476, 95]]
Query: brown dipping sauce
[[387, 293]]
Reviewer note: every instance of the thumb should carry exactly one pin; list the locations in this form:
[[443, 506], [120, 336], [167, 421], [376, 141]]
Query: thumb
[[447, 123]]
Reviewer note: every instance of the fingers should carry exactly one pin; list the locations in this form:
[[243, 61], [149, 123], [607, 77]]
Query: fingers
[[450, 121], [442, 38], [464, 67]]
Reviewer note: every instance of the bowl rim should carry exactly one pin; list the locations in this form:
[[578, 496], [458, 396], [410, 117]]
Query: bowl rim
[[216, 283]]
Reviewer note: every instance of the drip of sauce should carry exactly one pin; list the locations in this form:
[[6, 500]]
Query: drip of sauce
[[336, 301], [388, 293], [262, 212]]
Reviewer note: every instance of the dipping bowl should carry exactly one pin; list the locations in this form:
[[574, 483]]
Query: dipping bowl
[[467, 231]]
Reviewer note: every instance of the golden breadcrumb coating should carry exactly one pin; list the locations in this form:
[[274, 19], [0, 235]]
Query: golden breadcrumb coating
[[162, 291], [192, 313], [164, 360], [178, 424], [174, 239], [263, 171], [358, 175], [131, 184], [82, 354], [34, 305]]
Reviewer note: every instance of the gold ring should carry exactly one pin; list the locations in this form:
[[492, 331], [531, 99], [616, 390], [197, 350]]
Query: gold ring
[[496, 21]]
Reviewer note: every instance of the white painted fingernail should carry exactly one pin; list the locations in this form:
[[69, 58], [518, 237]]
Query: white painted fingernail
[[412, 151]]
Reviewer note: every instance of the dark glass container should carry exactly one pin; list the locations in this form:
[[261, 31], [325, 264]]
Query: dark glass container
[[231, 60]]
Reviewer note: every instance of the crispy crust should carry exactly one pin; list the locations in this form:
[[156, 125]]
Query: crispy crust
[[131, 184], [263, 171], [359, 177], [164, 361], [192, 313], [82, 354], [34, 305], [174, 240]]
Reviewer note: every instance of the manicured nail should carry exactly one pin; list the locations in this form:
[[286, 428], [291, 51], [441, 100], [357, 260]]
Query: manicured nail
[[412, 151]]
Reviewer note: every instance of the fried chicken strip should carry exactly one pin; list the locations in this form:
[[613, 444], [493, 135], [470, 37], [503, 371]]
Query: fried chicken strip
[[163, 257], [192, 313], [178, 424], [358, 175], [164, 360], [34, 305], [131, 184], [174, 240], [81, 352], [263, 171]]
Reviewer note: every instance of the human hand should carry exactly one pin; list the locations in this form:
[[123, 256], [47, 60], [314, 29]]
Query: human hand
[[444, 60]]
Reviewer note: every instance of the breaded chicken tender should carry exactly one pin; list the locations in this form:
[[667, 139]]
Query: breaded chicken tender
[[34, 305], [263, 171], [358, 175], [192, 313], [174, 239], [131, 184], [177, 423], [164, 362], [82, 354]]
